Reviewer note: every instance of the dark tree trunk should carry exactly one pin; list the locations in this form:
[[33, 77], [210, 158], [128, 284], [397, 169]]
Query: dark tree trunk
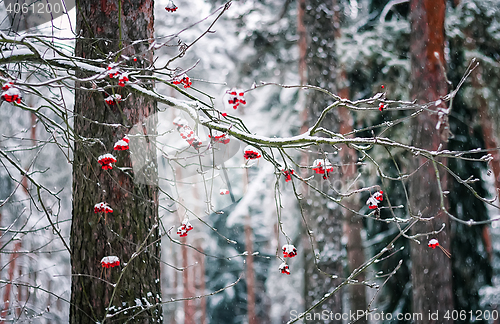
[[353, 224], [431, 269], [324, 218], [107, 26]]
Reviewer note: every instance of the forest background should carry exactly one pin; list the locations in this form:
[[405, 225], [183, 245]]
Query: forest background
[[361, 51]]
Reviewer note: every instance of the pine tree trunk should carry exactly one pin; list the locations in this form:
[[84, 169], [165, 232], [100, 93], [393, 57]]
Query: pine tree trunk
[[353, 224], [324, 219], [107, 26], [431, 269]]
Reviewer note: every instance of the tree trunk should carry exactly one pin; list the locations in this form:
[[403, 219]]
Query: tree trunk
[[250, 271], [431, 269], [353, 224], [131, 231], [188, 284], [324, 218]]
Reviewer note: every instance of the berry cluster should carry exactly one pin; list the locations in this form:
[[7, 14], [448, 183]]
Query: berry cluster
[[184, 228], [236, 97], [122, 145], [114, 72], [187, 133], [288, 174], [123, 78], [182, 79], [289, 251], [171, 7], [251, 153], [102, 207], [220, 139], [284, 268], [322, 166], [106, 160], [433, 243], [10, 93], [110, 261], [375, 199], [113, 99]]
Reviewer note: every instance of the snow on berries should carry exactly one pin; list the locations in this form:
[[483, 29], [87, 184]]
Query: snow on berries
[[110, 261], [185, 227], [11, 94], [7, 86], [322, 166], [289, 251], [219, 138], [187, 133], [121, 145], [236, 97], [251, 153], [433, 243], [114, 73], [106, 161], [171, 7], [284, 268], [102, 207], [375, 199], [288, 174], [182, 79], [113, 70], [113, 99], [122, 79], [224, 192], [381, 106]]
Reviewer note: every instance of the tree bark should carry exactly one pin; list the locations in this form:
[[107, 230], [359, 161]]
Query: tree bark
[[353, 224], [111, 26], [324, 219], [431, 269]]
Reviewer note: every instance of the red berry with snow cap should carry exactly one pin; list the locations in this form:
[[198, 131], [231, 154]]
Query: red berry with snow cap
[[219, 138], [284, 268], [433, 243], [110, 261], [171, 7], [375, 199], [187, 133], [251, 153], [102, 207], [184, 228], [121, 145], [322, 166], [7, 85], [106, 160], [113, 71], [236, 97], [289, 251], [182, 79], [12, 95], [123, 78], [113, 99]]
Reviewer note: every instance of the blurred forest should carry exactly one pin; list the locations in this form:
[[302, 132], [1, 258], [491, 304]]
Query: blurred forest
[[288, 57]]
